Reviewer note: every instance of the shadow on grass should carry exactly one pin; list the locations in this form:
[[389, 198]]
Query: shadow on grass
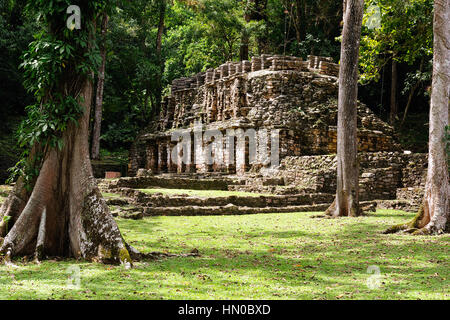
[[336, 259], [257, 257]]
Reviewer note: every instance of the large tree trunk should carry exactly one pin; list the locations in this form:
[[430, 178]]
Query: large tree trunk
[[347, 194], [65, 214], [95, 152], [433, 216], [394, 82]]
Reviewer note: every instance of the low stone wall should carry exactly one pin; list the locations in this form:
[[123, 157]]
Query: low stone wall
[[383, 176], [99, 168], [414, 170], [403, 205], [171, 183], [229, 210], [381, 173], [413, 194], [156, 200]]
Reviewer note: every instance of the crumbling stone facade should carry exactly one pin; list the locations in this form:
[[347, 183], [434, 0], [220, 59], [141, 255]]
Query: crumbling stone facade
[[383, 175], [288, 110], [274, 95]]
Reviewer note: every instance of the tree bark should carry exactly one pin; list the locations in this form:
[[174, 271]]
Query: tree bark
[[65, 214], [411, 95], [301, 20], [261, 14], [244, 52], [245, 39], [394, 83], [347, 194], [256, 11], [95, 151], [433, 216]]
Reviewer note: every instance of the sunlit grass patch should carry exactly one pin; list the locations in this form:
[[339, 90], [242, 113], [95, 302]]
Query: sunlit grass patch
[[271, 256]]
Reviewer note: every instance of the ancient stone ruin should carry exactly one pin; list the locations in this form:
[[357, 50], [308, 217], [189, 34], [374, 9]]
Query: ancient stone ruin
[[296, 97], [276, 96]]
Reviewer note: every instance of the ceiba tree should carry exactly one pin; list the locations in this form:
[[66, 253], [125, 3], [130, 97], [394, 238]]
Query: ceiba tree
[[346, 202], [56, 208], [433, 216]]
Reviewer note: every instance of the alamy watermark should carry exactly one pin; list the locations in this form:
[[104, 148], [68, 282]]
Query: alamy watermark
[[228, 147], [74, 277], [373, 14], [374, 281], [74, 20]]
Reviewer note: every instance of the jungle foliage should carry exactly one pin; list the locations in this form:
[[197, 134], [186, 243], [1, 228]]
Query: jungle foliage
[[197, 35]]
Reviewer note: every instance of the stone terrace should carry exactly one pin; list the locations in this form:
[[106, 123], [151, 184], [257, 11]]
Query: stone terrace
[[268, 93]]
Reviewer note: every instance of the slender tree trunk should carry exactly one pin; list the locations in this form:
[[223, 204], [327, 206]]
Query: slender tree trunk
[[158, 92], [394, 84], [65, 214], [433, 216], [263, 45], [256, 11], [408, 104], [301, 20], [347, 194], [411, 95], [146, 104], [245, 39], [95, 151], [244, 52]]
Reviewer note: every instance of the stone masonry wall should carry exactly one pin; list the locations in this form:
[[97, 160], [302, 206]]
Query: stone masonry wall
[[383, 175], [268, 93]]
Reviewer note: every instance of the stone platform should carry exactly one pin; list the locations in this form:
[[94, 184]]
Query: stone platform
[[274, 95], [281, 96], [388, 180]]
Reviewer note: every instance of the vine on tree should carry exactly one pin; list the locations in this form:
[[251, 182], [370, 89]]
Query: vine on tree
[[55, 66]]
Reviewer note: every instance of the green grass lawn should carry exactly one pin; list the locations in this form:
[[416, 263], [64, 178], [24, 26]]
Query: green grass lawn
[[273, 256], [202, 193]]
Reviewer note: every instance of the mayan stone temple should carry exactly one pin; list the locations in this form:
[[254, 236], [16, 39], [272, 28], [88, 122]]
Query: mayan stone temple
[[288, 102]]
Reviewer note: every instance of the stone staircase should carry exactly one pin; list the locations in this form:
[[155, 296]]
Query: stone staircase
[[140, 203], [303, 184], [229, 209], [159, 204], [135, 201]]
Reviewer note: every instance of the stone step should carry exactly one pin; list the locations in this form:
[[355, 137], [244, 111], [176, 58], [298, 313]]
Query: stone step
[[172, 182], [229, 210], [246, 201], [242, 210], [265, 181], [276, 190], [404, 205], [252, 188]]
